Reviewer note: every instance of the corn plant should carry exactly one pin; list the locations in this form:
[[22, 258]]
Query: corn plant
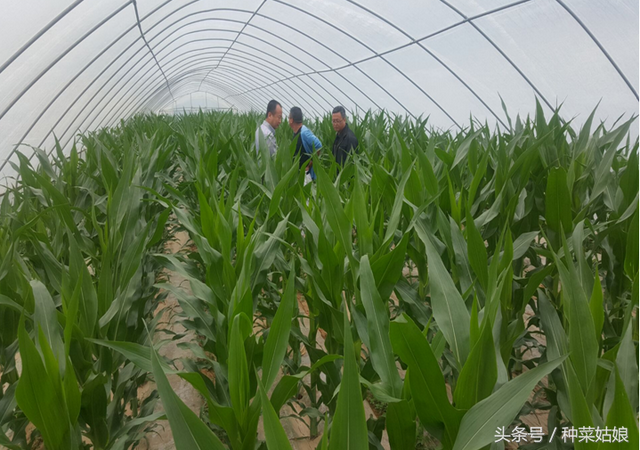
[[448, 275]]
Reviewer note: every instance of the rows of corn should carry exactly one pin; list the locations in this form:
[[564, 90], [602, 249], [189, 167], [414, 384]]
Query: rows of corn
[[462, 280]]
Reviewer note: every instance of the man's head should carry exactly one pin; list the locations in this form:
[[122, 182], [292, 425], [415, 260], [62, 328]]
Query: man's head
[[339, 118], [274, 114], [295, 118]]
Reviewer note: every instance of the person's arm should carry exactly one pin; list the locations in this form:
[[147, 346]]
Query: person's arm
[[316, 143], [308, 140]]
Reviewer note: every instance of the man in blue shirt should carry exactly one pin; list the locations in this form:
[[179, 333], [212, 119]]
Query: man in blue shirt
[[306, 142]]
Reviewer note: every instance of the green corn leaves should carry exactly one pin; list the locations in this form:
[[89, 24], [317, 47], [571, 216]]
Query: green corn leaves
[[189, 432], [479, 424], [427, 383], [479, 374], [558, 201], [444, 272], [278, 339], [349, 426], [449, 309], [51, 402], [378, 328], [238, 371], [273, 431]]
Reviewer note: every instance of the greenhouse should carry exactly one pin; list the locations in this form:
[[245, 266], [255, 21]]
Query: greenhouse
[[320, 224]]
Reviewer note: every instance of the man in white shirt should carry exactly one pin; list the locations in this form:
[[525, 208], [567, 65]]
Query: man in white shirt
[[269, 126]]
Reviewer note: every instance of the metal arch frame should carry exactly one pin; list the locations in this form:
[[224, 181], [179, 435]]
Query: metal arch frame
[[254, 56], [36, 37], [136, 105], [109, 115], [127, 83], [416, 41], [334, 52], [376, 55], [215, 19], [229, 49], [293, 57], [76, 76], [39, 34], [151, 87], [66, 86], [52, 64], [148, 88], [123, 86], [430, 53], [289, 54], [249, 62], [205, 60], [297, 59], [159, 97], [133, 103], [211, 52], [600, 46], [504, 55], [253, 102], [130, 83], [186, 81], [62, 55], [413, 41], [183, 92], [153, 27], [226, 99], [135, 7], [179, 97], [239, 73], [157, 9], [135, 64], [179, 83], [196, 58], [234, 40], [281, 94]]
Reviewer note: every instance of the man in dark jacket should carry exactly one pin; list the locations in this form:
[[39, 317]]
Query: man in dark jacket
[[345, 141]]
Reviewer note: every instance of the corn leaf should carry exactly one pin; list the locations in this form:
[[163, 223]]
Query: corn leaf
[[39, 396], [558, 201], [189, 432], [449, 309], [622, 415], [478, 426], [479, 374], [427, 384], [378, 327], [278, 339], [238, 371], [349, 426], [273, 431]]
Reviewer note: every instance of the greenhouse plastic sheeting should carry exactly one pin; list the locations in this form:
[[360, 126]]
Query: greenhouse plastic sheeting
[[71, 66]]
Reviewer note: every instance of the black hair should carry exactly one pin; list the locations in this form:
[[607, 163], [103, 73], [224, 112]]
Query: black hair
[[296, 114], [341, 110], [271, 107]]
